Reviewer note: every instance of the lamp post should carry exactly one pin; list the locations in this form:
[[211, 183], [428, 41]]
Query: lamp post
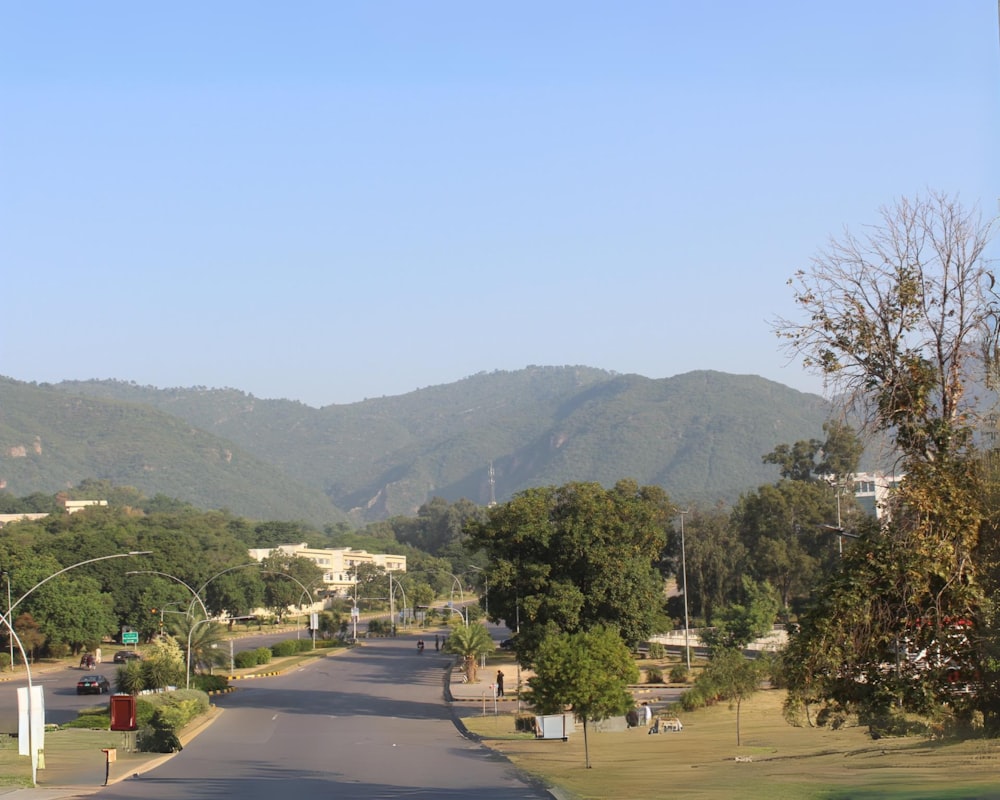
[[456, 581], [400, 586], [8, 621], [190, 636], [687, 648], [10, 638]]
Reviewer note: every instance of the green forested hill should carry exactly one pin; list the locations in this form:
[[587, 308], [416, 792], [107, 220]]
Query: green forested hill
[[700, 435], [51, 440]]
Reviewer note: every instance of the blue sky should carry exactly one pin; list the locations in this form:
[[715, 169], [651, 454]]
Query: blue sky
[[330, 201]]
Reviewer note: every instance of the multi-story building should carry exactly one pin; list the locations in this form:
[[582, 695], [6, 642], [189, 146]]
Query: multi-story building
[[872, 489], [337, 563]]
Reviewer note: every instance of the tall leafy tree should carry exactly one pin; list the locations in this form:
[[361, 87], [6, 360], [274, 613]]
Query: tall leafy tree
[[715, 558], [899, 320], [741, 623], [576, 557], [284, 577], [587, 672], [782, 526]]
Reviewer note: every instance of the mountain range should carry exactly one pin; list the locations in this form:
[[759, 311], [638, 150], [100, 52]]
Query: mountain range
[[700, 435]]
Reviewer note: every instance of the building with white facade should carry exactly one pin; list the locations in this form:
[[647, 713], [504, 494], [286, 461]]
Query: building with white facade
[[337, 563], [872, 490]]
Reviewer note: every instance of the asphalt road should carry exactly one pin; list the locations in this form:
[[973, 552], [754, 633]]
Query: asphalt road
[[368, 723], [62, 703]]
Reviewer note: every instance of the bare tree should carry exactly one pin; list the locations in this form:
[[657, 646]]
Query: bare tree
[[897, 320], [902, 320]]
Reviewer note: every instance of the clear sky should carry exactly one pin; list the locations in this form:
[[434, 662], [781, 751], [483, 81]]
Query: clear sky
[[331, 201]]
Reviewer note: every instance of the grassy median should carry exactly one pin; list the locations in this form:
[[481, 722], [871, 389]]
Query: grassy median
[[776, 761]]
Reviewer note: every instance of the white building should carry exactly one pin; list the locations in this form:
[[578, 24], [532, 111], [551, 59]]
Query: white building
[[337, 563], [872, 490]]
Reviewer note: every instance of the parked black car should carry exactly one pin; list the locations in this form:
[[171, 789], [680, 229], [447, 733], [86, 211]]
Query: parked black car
[[124, 656], [93, 684]]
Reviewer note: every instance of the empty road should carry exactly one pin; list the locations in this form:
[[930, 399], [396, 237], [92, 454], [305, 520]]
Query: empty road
[[368, 723]]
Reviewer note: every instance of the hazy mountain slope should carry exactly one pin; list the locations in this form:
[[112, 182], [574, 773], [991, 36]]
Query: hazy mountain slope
[[700, 435], [50, 440]]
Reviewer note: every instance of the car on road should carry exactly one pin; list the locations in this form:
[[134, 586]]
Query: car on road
[[507, 644], [93, 684], [124, 656]]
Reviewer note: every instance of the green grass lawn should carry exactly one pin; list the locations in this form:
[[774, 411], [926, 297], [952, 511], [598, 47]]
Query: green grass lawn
[[776, 761]]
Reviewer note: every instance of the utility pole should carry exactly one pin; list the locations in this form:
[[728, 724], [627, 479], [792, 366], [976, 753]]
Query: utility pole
[[684, 577]]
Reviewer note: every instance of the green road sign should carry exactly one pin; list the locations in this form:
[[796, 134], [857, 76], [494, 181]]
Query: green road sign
[[130, 637]]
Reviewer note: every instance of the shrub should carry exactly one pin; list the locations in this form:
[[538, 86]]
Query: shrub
[[288, 647], [524, 723], [58, 650], [245, 659], [263, 655], [657, 650], [679, 674], [304, 645], [654, 675], [693, 699], [170, 712], [4, 661], [210, 683], [130, 678]]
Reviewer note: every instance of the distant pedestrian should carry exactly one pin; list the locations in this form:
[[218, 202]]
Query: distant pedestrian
[[647, 714], [499, 683], [437, 642]]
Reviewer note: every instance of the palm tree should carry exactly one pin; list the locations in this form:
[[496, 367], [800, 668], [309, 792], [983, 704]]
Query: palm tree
[[470, 642], [205, 638]]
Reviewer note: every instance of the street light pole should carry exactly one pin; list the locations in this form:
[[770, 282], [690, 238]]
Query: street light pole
[[11, 637], [687, 647]]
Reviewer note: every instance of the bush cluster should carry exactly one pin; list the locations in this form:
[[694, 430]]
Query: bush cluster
[[284, 648], [210, 683], [160, 718]]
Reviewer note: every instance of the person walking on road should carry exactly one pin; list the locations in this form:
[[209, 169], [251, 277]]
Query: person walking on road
[[499, 683], [437, 643]]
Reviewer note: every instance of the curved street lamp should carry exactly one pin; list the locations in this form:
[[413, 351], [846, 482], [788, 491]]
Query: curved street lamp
[[7, 619], [684, 575]]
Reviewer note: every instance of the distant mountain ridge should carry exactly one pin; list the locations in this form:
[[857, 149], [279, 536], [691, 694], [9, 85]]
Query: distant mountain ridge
[[700, 435]]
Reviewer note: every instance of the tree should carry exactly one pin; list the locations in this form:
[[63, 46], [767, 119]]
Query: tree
[[841, 452], [587, 672], [742, 623], [730, 676], [796, 461], [899, 318], [236, 593], [29, 632], [469, 642], [900, 321], [715, 559], [551, 551], [74, 611], [782, 526], [370, 583], [284, 576]]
